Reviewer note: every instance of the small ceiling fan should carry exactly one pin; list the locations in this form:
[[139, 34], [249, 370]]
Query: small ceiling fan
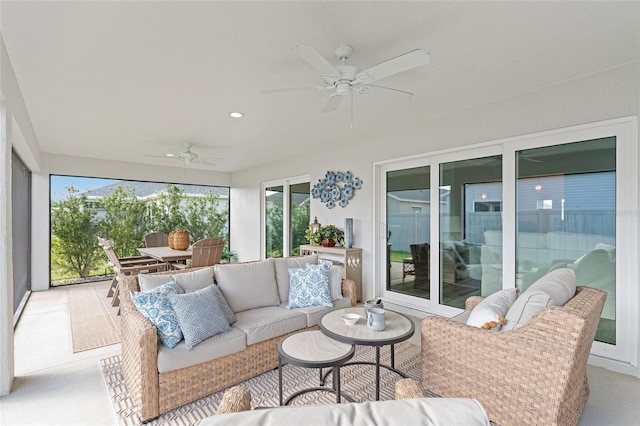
[[187, 156], [344, 79]]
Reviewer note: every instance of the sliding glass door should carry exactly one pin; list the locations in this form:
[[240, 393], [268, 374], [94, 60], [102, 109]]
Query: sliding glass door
[[470, 213], [565, 204], [505, 214], [408, 215]]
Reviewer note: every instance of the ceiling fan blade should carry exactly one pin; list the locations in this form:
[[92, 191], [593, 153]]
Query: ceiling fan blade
[[315, 59], [170, 157], [332, 103], [295, 89], [399, 64], [385, 92]]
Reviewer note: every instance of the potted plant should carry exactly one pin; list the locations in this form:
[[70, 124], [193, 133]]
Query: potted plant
[[313, 236], [331, 235], [228, 255]]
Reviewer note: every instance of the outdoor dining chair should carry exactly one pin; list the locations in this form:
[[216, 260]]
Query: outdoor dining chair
[[205, 252], [156, 239], [127, 266]]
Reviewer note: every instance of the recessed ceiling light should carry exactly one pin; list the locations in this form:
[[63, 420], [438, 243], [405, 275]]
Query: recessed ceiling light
[[237, 114], [169, 155]]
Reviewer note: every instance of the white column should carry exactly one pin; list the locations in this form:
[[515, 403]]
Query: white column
[[6, 263]]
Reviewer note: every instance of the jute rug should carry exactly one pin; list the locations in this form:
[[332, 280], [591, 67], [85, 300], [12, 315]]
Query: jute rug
[[357, 380], [94, 322]]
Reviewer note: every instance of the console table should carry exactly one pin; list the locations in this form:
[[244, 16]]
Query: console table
[[350, 258]]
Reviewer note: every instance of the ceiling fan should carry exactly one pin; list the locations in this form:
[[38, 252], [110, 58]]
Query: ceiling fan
[[344, 79], [187, 156]]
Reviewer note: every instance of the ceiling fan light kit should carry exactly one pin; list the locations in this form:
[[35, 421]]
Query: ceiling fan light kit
[[345, 78]]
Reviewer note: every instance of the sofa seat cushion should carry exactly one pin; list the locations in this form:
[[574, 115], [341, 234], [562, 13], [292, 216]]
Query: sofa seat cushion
[[248, 285], [412, 411], [231, 342], [315, 313], [268, 322], [282, 266]]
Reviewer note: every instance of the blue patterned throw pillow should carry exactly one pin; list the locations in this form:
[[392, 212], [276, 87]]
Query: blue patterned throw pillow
[[199, 315], [309, 286], [155, 306]]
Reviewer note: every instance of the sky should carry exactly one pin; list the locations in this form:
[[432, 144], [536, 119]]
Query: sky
[[59, 185]]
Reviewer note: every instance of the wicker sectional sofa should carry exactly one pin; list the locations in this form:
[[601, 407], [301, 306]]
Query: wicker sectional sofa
[[160, 379]]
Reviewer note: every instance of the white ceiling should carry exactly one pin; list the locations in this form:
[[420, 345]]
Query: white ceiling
[[118, 80]]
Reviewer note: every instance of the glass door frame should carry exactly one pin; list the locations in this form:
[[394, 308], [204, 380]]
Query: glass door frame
[[627, 298], [622, 357]]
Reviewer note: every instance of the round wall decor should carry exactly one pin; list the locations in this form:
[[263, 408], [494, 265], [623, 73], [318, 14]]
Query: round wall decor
[[336, 188]]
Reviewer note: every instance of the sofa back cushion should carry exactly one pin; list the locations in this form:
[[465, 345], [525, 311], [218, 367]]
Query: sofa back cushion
[[248, 285], [554, 289], [194, 280], [283, 265]]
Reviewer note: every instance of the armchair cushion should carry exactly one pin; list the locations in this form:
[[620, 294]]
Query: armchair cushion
[[554, 289], [492, 308], [199, 315], [155, 306]]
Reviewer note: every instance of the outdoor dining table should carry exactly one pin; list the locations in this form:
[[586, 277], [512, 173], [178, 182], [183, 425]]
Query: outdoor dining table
[[166, 253]]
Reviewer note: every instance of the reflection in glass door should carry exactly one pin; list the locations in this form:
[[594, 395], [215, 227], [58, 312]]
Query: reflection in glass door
[[408, 231], [274, 226], [566, 203], [470, 220], [300, 203]]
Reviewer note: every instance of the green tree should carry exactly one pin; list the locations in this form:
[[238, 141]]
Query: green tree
[[124, 221], [300, 218], [274, 226], [74, 233], [165, 211], [206, 217]]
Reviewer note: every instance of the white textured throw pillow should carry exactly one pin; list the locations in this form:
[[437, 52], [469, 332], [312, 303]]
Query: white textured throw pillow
[[335, 279], [554, 289], [492, 308]]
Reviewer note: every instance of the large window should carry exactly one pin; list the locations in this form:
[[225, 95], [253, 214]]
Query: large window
[[124, 211], [286, 216]]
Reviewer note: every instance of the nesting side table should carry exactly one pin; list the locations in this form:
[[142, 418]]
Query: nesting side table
[[312, 349]]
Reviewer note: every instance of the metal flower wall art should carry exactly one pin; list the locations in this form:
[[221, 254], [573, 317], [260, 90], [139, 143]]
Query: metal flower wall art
[[336, 188]]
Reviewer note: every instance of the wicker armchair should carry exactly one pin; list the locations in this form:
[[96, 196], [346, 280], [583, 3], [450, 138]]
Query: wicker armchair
[[535, 375]]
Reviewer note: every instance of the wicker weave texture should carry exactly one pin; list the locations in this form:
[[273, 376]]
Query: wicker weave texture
[[235, 400], [154, 393], [530, 376]]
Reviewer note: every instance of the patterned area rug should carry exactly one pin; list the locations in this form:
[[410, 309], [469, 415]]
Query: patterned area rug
[[357, 380], [94, 322]]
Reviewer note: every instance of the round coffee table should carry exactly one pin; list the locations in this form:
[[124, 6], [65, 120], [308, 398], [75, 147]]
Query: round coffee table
[[312, 349], [398, 328]]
